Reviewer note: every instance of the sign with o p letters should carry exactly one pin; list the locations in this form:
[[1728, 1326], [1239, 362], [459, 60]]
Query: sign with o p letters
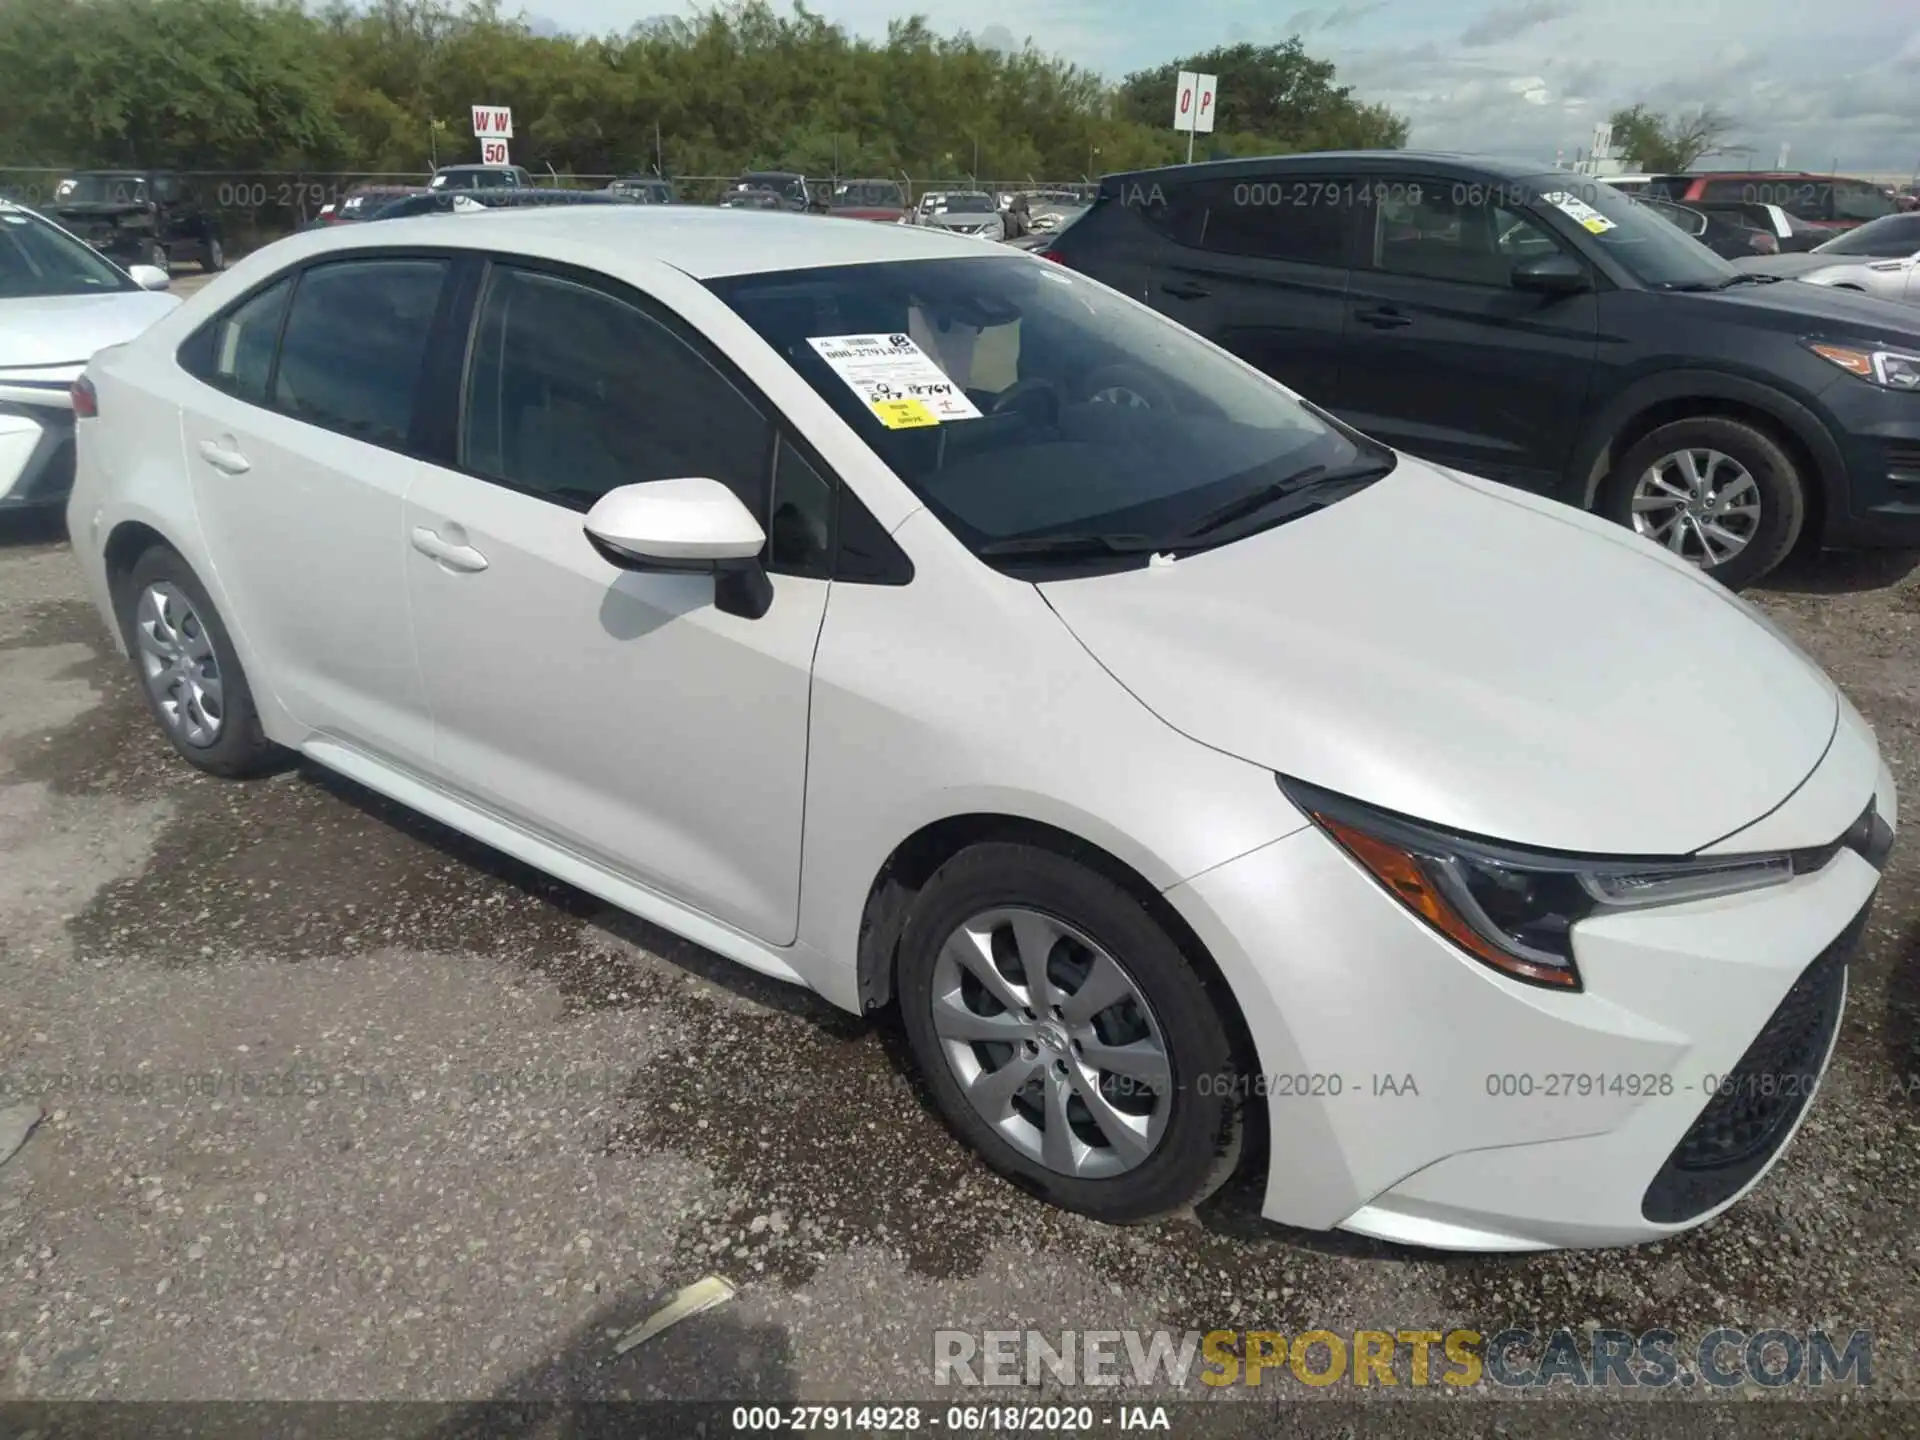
[[493, 152], [492, 120], [1193, 97]]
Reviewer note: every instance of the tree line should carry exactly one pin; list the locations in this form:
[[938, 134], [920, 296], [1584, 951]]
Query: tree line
[[238, 85]]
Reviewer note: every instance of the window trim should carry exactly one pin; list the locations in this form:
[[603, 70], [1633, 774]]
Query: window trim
[[1350, 248]]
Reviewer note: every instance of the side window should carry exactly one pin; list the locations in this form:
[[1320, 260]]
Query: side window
[[1306, 221], [800, 534], [571, 393], [355, 342], [235, 351], [166, 189], [1743, 190], [1435, 238]]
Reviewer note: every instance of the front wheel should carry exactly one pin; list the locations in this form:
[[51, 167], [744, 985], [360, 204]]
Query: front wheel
[[1066, 1037], [214, 257], [1717, 492], [157, 257]]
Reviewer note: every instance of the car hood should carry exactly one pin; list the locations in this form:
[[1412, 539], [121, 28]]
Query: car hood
[[1491, 662], [99, 209], [964, 220], [1851, 309], [68, 329], [1802, 262]]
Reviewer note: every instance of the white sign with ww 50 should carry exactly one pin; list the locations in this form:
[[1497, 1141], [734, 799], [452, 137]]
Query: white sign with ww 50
[[492, 121]]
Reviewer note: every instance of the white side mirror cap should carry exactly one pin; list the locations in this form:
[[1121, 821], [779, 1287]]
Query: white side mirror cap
[[150, 277], [687, 524]]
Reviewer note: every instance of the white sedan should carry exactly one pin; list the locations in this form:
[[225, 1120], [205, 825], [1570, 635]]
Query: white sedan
[[1881, 257], [59, 302], [931, 626]]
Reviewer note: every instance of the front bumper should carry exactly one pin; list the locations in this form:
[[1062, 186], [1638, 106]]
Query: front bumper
[[1879, 435], [36, 455], [1414, 1095]]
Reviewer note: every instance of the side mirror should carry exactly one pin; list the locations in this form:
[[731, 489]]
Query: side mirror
[[150, 277], [1555, 274], [694, 525]]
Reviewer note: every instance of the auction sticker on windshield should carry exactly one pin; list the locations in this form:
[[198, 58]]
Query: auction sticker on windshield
[[896, 379], [1581, 213]]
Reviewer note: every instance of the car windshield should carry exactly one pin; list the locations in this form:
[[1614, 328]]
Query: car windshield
[[102, 190], [875, 194], [1853, 200], [968, 205], [1889, 237], [1021, 402], [1654, 251], [37, 258]]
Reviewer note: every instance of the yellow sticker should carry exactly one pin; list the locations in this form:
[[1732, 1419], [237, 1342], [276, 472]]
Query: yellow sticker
[[1598, 225], [903, 414]]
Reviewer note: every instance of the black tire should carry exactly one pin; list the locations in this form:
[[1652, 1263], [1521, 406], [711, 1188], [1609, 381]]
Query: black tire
[[158, 258], [1200, 1145], [213, 256], [1783, 496], [241, 747]]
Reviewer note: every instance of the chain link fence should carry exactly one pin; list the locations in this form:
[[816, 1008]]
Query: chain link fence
[[252, 207]]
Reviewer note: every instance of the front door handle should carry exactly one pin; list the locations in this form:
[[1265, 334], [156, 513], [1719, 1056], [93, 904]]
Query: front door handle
[[454, 557], [1186, 290], [223, 454], [1384, 318]]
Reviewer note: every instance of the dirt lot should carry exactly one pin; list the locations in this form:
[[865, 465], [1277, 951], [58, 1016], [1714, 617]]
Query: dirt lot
[[534, 1116]]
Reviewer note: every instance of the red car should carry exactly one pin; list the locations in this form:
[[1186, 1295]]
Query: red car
[[1832, 202], [881, 200]]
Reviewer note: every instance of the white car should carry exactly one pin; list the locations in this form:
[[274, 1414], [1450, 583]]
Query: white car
[[932, 626], [1881, 257], [59, 302]]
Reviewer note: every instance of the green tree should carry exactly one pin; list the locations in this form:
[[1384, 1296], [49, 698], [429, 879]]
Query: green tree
[[1668, 144], [1278, 95]]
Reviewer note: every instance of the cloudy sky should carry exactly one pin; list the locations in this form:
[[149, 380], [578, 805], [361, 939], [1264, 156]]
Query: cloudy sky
[[1516, 76]]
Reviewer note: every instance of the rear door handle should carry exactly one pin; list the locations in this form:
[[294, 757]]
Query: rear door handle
[[454, 557], [1186, 290], [1384, 318], [222, 454]]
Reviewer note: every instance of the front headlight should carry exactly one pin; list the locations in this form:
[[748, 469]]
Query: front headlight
[[1890, 369], [1515, 909]]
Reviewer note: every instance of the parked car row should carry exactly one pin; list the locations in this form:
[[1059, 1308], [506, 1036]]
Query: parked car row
[[1165, 730], [1545, 330]]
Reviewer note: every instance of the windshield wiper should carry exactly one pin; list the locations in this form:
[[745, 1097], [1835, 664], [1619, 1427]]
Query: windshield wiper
[[1306, 485], [1070, 545]]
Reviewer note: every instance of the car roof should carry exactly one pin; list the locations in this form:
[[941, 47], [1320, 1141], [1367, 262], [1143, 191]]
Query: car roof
[[704, 242], [1382, 161]]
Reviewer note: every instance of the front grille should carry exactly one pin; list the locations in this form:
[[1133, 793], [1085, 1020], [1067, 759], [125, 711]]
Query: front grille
[[1754, 1108]]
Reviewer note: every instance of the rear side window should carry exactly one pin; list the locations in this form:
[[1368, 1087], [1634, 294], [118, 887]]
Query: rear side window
[[235, 352], [355, 340], [1304, 221], [572, 392]]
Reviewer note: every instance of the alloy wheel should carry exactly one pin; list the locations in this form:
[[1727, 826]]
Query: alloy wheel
[[178, 665], [1052, 1042], [1703, 505]]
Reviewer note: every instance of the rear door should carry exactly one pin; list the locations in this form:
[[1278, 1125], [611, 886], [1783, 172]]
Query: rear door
[[1259, 265], [302, 442], [1444, 357]]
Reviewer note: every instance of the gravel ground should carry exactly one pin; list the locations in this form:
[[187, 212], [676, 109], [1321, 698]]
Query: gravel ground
[[418, 1214]]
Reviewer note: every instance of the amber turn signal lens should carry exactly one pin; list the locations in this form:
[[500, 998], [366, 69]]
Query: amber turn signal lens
[[1407, 880]]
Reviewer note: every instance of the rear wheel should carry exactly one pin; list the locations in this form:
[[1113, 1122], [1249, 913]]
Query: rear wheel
[[214, 256], [1066, 1037], [1718, 492], [157, 256], [188, 670]]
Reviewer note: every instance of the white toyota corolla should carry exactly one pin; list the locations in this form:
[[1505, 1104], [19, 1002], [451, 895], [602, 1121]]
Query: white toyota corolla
[[59, 302], [938, 628]]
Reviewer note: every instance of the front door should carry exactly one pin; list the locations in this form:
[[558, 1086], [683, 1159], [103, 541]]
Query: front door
[[1445, 358], [620, 714], [300, 458]]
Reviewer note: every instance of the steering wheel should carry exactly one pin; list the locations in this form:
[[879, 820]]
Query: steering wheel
[[1127, 386], [1022, 393]]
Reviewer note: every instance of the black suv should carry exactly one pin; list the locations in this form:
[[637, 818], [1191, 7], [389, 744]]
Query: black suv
[[141, 217], [1541, 329]]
